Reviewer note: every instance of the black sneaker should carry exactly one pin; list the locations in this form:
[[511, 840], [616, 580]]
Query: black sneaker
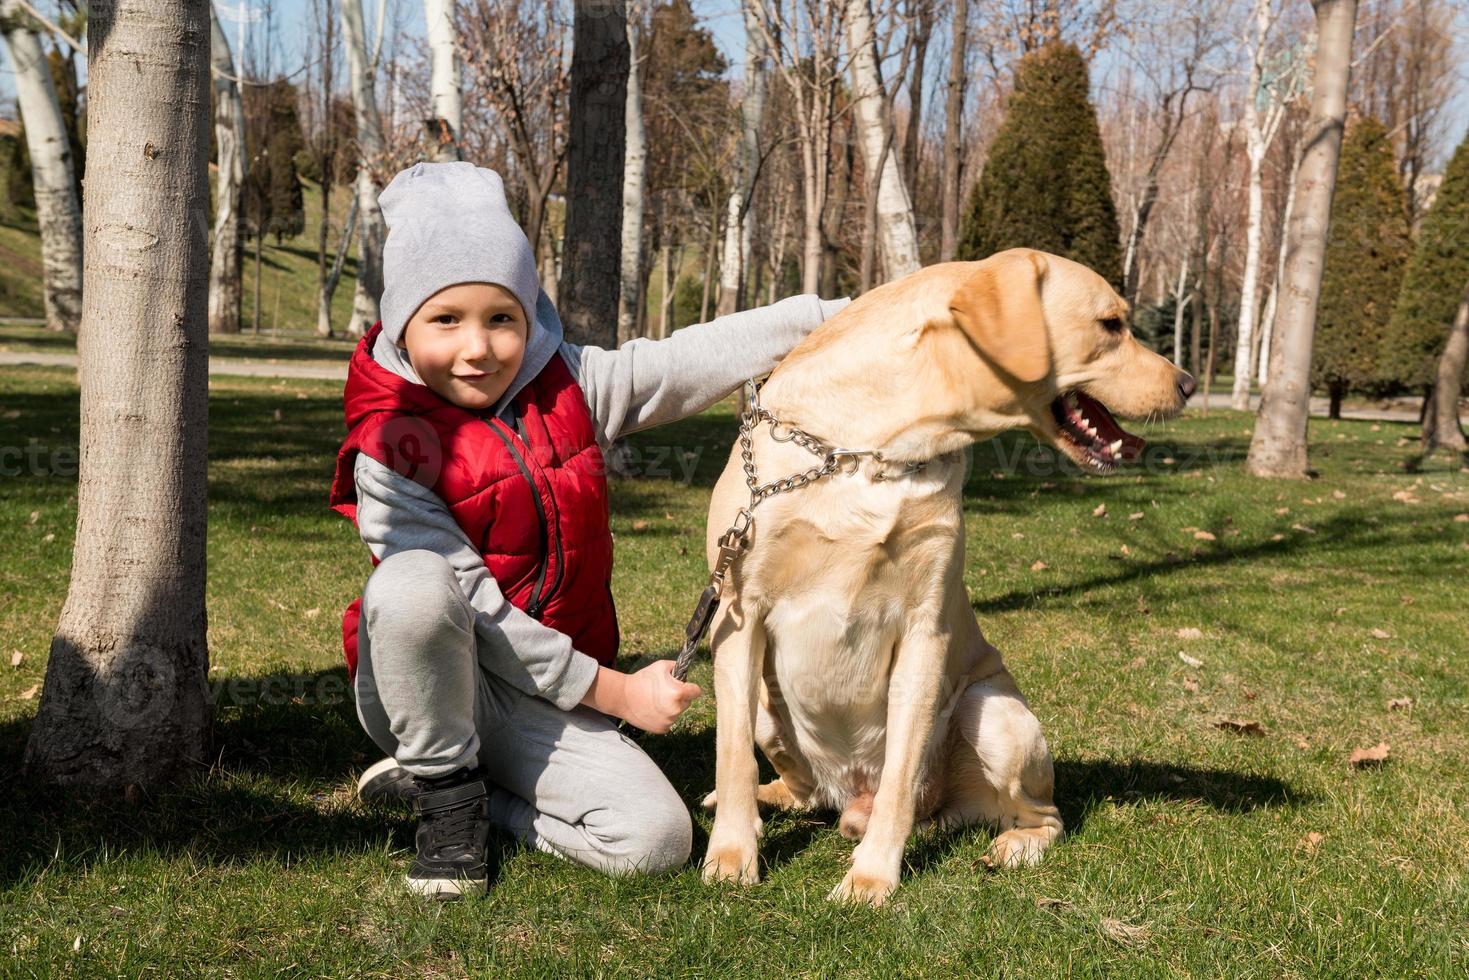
[[453, 834], [385, 780]]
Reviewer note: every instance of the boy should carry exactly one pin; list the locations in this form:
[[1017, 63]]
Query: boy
[[482, 646]]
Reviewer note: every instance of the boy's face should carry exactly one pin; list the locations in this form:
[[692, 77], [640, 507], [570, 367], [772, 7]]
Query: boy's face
[[466, 342]]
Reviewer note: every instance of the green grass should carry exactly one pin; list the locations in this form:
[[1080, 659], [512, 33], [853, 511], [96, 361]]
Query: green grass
[[1190, 850]]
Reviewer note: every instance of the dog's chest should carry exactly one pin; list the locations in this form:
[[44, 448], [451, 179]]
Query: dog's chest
[[841, 578]]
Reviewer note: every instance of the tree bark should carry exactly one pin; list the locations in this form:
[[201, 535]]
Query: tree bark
[[740, 219], [1278, 447], [591, 257], [229, 139], [443, 128], [125, 698], [630, 295], [371, 229], [897, 233], [53, 172], [326, 282], [1441, 428], [953, 140], [920, 21]]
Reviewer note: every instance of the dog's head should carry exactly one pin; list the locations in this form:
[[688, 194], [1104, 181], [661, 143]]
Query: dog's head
[[1057, 337]]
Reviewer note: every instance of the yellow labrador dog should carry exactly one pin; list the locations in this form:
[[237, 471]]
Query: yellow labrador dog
[[844, 643]]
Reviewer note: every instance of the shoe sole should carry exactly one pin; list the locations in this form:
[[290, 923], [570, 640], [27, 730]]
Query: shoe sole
[[383, 781], [447, 889]]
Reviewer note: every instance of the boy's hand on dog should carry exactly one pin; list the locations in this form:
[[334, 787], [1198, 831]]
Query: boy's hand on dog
[[653, 698]]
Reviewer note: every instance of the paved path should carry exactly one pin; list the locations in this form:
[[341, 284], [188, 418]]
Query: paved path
[[335, 372], [217, 365]]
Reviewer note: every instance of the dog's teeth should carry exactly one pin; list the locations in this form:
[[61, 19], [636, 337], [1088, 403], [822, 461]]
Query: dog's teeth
[[1116, 447]]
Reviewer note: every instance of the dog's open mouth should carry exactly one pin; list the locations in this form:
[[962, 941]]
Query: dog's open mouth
[[1089, 434]]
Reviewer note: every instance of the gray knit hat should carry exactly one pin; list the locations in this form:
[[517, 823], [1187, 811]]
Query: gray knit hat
[[449, 223]]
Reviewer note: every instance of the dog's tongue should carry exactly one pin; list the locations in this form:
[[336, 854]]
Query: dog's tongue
[[1107, 428]]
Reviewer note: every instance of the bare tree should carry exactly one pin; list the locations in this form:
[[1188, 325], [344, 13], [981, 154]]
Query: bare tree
[[371, 150], [590, 267], [125, 699], [919, 16], [804, 39], [229, 139], [740, 220], [1441, 429], [1278, 447], [54, 177], [1271, 87], [519, 71], [446, 122]]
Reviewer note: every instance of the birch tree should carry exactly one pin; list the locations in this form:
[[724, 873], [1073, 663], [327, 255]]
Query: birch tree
[[740, 219], [443, 128], [125, 699], [1278, 447], [1270, 89], [54, 176], [634, 165], [371, 229], [896, 230], [229, 140]]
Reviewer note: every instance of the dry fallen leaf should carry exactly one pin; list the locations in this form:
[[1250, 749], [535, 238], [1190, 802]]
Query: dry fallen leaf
[[1137, 662], [1039, 566], [1136, 515], [1190, 685], [1017, 535], [1125, 550], [1203, 536], [30, 692], [1191, 661], [1190, 633], [1303, 529], [16, 657], [1312, 840], [313, 613], [1406, 496], [1124, 932], [1277, 537], [1381, 634], [1282, 510], [1369, 757], [49, 537], [1338, 495], [1239, 727], [35, 516], [640, 525], [1399, 704], [1101, 511], [1461, 518]]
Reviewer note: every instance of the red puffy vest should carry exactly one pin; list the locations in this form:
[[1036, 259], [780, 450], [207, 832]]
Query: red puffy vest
[[534, 502]]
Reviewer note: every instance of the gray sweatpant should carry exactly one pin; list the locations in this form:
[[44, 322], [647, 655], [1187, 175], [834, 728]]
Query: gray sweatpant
[[567, 782]]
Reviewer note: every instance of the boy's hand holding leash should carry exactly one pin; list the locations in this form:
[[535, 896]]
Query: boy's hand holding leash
[[650, 699]]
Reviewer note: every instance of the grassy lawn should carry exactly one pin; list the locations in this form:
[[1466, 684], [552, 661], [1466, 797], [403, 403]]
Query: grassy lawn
[[1192, 850]]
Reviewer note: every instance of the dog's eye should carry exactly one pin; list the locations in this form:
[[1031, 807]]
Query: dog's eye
[[1112, 324]]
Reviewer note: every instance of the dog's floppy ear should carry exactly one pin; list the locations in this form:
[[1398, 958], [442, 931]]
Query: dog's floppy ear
[[999, 308]]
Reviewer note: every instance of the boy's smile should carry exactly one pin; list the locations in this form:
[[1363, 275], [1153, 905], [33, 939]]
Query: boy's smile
[[466, 342]]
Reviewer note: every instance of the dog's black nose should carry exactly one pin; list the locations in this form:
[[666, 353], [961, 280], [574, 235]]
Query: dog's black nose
[[1187, 386]]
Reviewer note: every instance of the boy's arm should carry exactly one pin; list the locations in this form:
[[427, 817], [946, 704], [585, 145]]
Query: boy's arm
[[396, 514], [649, 382]]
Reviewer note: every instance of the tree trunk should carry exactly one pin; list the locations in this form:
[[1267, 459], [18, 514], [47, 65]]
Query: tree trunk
[[229, 138], [630, 296], [1267, 319], [740, 220], [446, 124], [897, 233], [326, 282], [1278, 448], [371, 229], [711, 249], [125, 699], [1334, 394], [920, 20], [591, 256], [665, 302], [953, 141], [1180, 305], [1250, 284], [53, 173], [1441, 429]]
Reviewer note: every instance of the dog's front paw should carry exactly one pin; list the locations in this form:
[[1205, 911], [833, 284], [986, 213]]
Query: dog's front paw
[[739, 863], [860, 887], [1020, 848]]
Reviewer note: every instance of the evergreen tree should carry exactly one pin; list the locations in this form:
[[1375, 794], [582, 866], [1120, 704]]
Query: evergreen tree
[[1365, 257], [1045, 184], [1433, 283]]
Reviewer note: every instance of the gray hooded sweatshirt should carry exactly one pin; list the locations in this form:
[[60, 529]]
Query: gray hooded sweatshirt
[[641, 384]]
